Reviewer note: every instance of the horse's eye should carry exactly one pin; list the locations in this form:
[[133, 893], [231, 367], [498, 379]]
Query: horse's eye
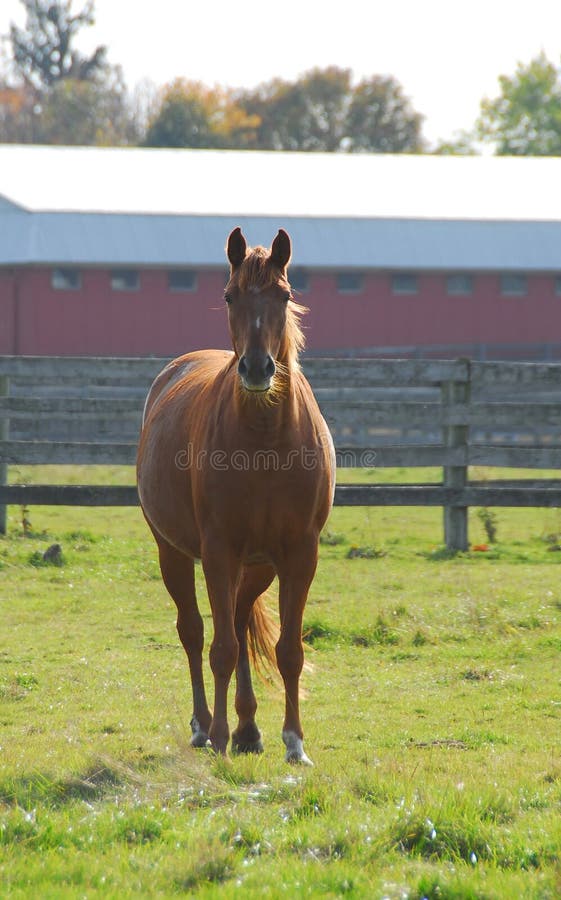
[[228, 298], [287, 296]]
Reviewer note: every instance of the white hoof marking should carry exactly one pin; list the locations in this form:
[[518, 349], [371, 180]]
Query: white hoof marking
[[295, 749]]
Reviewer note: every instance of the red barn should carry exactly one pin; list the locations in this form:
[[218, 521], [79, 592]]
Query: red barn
[[121, 251]]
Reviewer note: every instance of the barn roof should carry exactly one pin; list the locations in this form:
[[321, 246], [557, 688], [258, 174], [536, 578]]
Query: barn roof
[[112, 206]]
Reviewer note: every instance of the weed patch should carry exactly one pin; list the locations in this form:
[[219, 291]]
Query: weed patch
[[331, 538], [316, 631], [365, 553], [313, 802], [379, 633], [465, 840], [52, 556], [214, 865]]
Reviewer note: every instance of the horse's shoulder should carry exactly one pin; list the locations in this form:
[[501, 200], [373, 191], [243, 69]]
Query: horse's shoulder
[[194, 366], [207, 360]]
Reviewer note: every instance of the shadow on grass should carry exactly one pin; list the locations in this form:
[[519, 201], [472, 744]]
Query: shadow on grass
[[198, 777], [38, 788], [441, 553]]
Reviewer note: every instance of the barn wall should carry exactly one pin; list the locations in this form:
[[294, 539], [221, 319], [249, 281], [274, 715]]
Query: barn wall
[[99, 321], [7, 311], [378, 317], [152, 321]]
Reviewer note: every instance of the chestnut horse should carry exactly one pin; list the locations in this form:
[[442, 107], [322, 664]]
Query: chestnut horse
[[236, 467]]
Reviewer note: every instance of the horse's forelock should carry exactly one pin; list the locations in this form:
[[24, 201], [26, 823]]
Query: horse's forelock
[[257, 272]]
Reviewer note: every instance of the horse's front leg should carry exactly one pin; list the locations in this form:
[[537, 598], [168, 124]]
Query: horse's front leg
[[178, 572], [222, 574], [295, 577], [255, 581]]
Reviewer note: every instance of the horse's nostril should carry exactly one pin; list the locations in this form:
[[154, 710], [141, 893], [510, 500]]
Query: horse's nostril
[[256, 370]]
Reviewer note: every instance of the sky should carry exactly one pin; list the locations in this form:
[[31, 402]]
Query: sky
[[447, 55]]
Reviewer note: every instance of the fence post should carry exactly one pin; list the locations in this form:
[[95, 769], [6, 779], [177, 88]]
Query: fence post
[[456, 517], [4, 434]]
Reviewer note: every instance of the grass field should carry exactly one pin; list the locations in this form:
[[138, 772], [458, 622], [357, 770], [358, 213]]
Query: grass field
[[432, 713]]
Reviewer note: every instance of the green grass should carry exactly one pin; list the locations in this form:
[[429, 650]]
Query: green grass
[[432, 712]]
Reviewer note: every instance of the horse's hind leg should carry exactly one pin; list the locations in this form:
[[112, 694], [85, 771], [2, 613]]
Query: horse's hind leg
[[295, 577], [178, 573], [247, 738]]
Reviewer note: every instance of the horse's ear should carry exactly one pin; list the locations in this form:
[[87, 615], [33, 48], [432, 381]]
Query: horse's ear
[[236, 248], [281, 249]]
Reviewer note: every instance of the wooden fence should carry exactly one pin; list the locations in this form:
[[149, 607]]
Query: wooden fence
[[382, 413]]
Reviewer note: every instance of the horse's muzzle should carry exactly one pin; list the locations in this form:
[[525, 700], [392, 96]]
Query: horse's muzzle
[[256, 373]]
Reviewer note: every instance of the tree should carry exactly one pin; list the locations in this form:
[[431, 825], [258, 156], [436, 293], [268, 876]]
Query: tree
[[324, 97], [308, 114], [60, 95], [43, 51], [84, 112], [181, 120], [192, 115], [321, 110], [381, 119], [462, 143], [525, 120], [17, 114]]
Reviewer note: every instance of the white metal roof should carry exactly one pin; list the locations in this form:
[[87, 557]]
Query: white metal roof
[[103, 206], [218, 182]]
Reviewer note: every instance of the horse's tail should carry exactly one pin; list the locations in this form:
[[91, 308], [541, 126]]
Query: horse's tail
[[263, 634]]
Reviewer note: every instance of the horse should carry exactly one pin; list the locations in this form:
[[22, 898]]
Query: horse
[[236, 467]]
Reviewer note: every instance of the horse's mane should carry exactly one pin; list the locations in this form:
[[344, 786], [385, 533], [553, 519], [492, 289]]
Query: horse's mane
[[257, 272]]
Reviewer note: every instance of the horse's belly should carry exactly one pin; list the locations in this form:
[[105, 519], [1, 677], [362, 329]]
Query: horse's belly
[[165, 496], [172, 518]]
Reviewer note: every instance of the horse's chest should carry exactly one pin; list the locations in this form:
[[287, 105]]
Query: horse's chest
[[260, 491]]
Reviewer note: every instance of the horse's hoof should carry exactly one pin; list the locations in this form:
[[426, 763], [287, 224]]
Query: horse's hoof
[[295, 749], [247, 740], [253, 747], [200, 738], [298, 759]]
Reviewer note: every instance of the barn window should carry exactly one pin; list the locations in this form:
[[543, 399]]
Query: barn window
[[349, 282], [513, 284], [299, 280], [182, 280], [404, 283], [125, 280], [66, 279], [459, 284]]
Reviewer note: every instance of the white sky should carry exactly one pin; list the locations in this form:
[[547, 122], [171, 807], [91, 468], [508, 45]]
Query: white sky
[[446, 55]]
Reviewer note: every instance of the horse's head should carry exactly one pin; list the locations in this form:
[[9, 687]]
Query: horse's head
[[261, 316]]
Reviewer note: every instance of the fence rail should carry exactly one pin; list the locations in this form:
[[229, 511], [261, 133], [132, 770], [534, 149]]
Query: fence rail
[[450, 414]]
